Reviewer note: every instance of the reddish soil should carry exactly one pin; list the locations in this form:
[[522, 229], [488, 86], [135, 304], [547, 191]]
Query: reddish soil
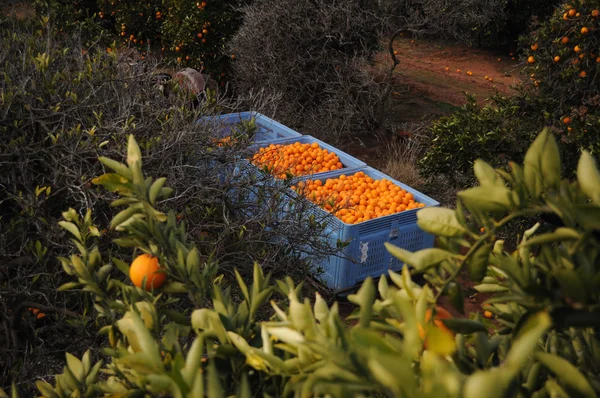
[[424, 90]]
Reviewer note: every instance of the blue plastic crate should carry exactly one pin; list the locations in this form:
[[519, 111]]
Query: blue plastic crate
[[268, 130], [350, 163], [366, 254]]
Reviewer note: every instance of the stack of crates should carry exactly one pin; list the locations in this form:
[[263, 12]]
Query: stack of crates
[[365, 254]]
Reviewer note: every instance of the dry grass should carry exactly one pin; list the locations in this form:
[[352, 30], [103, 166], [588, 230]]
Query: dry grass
[[401, 163]]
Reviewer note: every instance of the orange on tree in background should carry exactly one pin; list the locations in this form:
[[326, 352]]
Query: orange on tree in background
[[297, 159], [357, 198], [146, 266]]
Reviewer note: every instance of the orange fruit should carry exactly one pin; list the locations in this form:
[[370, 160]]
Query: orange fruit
[[598, 60], [564, 40], [458, 71], [488, 314], [109, 50], [535, 46], [584, 30], [440, 313], [566, 120], [556, 59], [572, 12], [576, 49], [146, 266], [531, 59], [199, 35], [595, 13], [38, 314], [177, 48], [582, 74], [232, 56]]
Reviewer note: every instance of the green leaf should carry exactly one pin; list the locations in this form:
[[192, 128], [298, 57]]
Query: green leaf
[[72, 228], [114, 183], [571, 285], [588, 176], [364, 298], [173, 287], [542, 164], [456, 297], [155, 189], [588, 216], [75, 366], [440, 222], [568, 374], [69, 286], [492, 383], [421, 260], [526, 341], [489, 198], [477, 264], [490, 288], [121, 265], [560, 234], [464, 326], [46, 389], [123, 216], [486, 173], [133, 151], [118, 167]]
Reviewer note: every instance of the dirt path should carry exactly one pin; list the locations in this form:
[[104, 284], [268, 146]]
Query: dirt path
[[425, 90]]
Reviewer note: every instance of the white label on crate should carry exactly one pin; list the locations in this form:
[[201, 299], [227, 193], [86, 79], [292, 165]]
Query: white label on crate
[[393, 233], [364, 251]]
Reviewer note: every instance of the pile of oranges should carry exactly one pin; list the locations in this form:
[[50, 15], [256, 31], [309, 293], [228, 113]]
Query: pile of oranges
[[357, 198], [297, 159]]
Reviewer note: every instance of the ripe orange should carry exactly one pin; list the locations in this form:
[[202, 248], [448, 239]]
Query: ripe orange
[[595, 13], [440, 313], [578, 15], [177, 48], [232, 56], [572, 12], [146, 266], [531, 59], [297, 159], [598, 60], [556, 59], [564, 40], [447, 69], [535, 46], [458, 71], [566, 120], [358, 197], [108, 50], [199, 35], [584, 30], [488, 314], [582, 74], [576, 49]]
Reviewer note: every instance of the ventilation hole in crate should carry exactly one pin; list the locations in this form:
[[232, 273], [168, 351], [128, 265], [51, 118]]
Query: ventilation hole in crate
[[375, 253]]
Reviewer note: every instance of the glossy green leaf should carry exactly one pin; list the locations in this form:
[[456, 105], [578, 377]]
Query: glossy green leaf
[[477, 264], [464, 326], [486, 173], [439, 221], [117, 167], [568, 374], [422, 259], [588, 176], [489, 198]]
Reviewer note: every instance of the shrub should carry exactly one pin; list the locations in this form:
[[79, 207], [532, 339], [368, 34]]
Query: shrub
[[491, 23], [545, 297], [497, 131], [315, 56], [63, 104]]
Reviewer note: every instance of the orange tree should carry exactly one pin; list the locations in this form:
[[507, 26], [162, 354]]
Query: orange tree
[[192, 33], [562, 60], [564, 65], [545, 298]]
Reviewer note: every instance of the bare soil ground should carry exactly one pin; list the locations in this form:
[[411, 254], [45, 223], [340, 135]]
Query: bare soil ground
[[424, 90]]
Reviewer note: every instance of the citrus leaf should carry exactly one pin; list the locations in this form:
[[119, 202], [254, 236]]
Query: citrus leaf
[[588, 177], [464, 326], [440, 222], [477, 264], [567, 374]]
